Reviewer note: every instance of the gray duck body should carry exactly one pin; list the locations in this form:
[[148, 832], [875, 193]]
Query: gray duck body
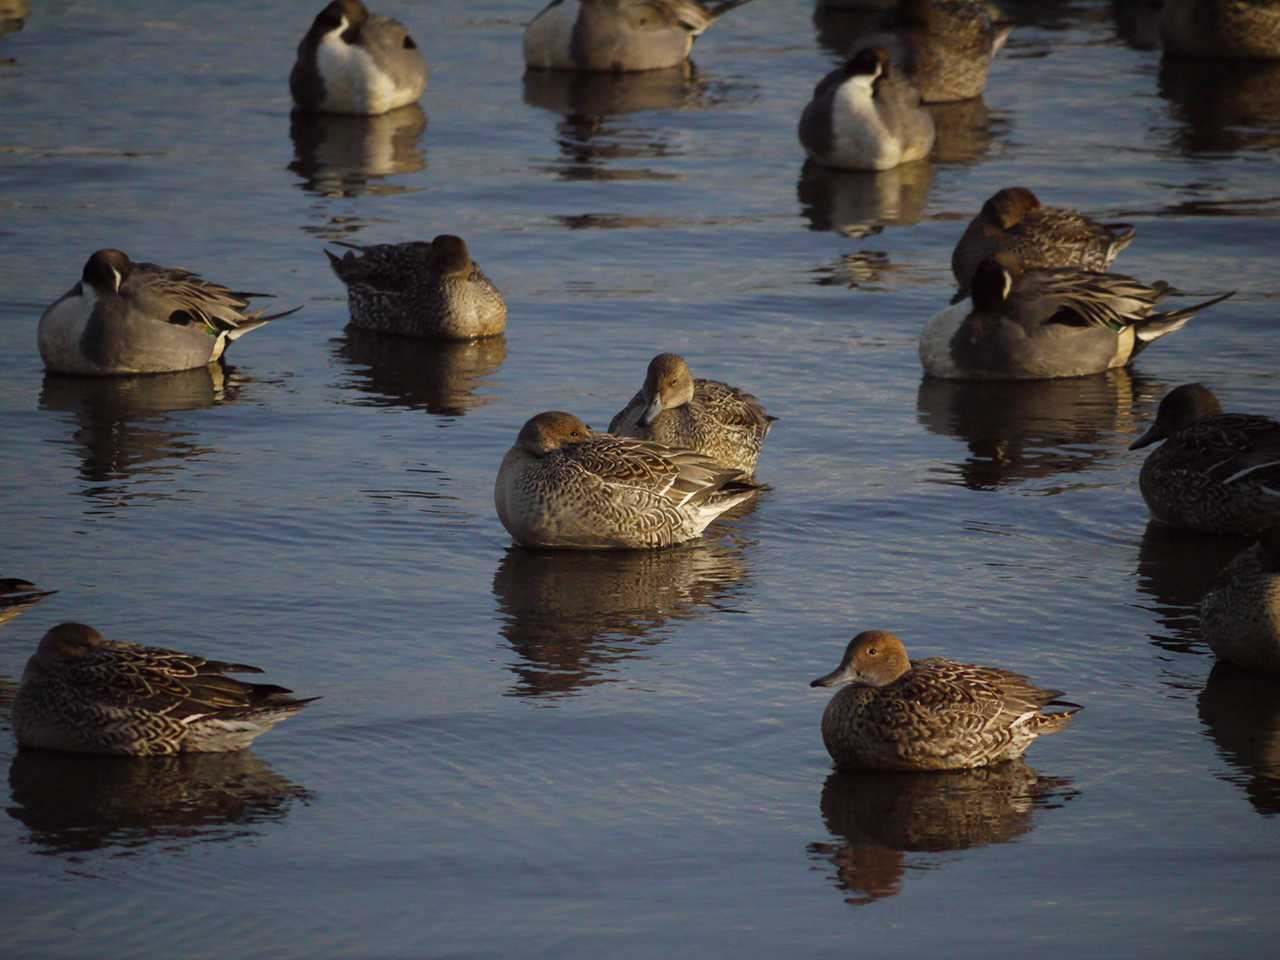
[[706, 416], [85, 694], [1215, 472], [430, 290]]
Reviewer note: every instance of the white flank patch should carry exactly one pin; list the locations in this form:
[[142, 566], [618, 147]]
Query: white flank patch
[[861, 140], [353, 83], [935, 341]]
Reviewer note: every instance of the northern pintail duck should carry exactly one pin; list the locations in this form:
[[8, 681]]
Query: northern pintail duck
[[432, 290], [944, 47], [1014, 219], [352, 61], [125, 317], [863, 117], [618, 35], [83, 693], [935, 714], [706, 416], [1221, 29], [1215, 472], [16, 595], [1240, 618], [564, 485], [1038, 324]]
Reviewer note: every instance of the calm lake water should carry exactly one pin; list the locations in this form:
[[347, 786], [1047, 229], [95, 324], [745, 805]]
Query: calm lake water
[[528, 754]]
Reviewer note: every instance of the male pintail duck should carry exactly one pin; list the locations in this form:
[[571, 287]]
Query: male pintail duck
[[84, 693], [1215, 472], [432, 290], [352, 61], [618, 35], [16, 595], [1221, 29], [944, 47], [564, 485], [125, 317], [863, 117], [1240, 618], [1038, 324], [1014, 219], [706, 416], [935, 714]]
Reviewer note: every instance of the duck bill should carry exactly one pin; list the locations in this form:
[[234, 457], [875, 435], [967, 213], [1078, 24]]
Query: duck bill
[[1151, 436], [651, 412]]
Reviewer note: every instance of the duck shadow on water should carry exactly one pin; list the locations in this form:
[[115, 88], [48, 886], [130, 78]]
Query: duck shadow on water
[[74, 804], [880, 819], [121, 427], [1018, 431], [1241, 713], [336, 155], [1223, 106], [1175, 569], [439, 377], [574, 617]]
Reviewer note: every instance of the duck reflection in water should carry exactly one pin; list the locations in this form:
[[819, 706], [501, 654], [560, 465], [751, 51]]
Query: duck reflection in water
[[574, 616], [591, 137], [880, 818], [1241, 713], [1175, 569], [860, 204], [440, 377], [126, 439], [76, 803], [1223, 106], [338, 155], [1043, 430]]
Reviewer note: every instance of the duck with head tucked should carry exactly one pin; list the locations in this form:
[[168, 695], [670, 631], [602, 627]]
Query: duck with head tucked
[[706, 416], [430, 290], [934, 714], [1015, 220], [618, 36], [565, 486], [125, 317], [1215, 472], [1240, 617], [83, 693], [863, 117], [1022, 324], [1221, 29], [352, 61]]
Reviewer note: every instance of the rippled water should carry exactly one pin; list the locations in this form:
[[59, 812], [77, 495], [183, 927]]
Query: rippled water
[[533, 754]]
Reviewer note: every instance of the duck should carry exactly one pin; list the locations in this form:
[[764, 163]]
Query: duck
[[934, 714], [1240, 616], [1015, 219], [83, 693], [944, 47], [1039, 324], [356, 62], [617, 36], [1215, 472], [17, 594], [125, 317], [564, 486], [1221, 29], [430, 290], [706, 416], [863, 117]]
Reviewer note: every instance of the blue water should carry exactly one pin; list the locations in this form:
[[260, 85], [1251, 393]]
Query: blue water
[[539, 755]]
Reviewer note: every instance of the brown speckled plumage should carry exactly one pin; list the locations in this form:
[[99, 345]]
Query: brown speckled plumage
[[1014, 219], [431, 290], [1215, 472], [705, 416], [934, 714], [563, 485], [83, 693]]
